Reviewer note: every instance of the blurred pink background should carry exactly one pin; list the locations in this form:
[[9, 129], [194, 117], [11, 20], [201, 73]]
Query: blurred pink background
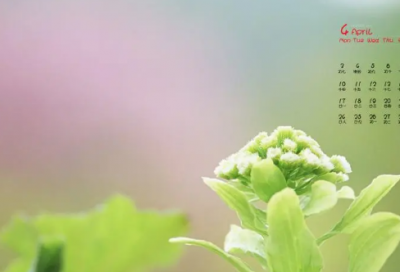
[[94, 102]]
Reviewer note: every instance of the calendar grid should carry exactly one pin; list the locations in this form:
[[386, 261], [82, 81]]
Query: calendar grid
[[369, 95]]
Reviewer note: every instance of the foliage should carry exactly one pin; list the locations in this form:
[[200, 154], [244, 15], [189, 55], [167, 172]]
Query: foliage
[[289, 172], [114, 237]]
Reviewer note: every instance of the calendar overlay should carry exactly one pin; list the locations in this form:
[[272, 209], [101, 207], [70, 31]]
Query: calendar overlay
[[375, 100]]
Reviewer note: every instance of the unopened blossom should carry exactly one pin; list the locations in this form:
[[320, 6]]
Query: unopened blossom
[[245, 162], [227, 168], [274, 152], [299, 157], [310, 159], [341, 164], [289, 145], [326, 163]]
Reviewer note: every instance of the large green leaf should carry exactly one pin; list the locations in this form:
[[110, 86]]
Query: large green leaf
[[323, 196], [237, 201], [267, 179], [363, 205], [246, 190], [244, 241], [346, 192], [290, 246], [115, 237], [236, 262], [373, 242]]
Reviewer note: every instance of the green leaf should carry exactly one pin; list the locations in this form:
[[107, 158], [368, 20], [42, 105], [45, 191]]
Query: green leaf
[[114, 237], [244, 241], [290, 246], [50, 256], [373, 242], [267, 179], [236, 262], [363, 205], [238, 202], [261, 219], [323, 197], [22, 238], [346, 192], [246, 190]]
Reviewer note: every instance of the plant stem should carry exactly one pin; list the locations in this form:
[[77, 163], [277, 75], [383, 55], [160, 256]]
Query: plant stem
[[236, 262], [325, 237]]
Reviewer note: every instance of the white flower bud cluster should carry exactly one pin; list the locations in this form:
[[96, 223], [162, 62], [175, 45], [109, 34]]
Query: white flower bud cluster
[[297, 155]]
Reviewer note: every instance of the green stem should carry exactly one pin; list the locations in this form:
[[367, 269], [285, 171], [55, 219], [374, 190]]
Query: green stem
[[244, 180], [325, 237], [236, 262], [302, 188]]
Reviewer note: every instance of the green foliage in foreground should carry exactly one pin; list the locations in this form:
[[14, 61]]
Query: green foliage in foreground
[[114, 237], [289, 172]]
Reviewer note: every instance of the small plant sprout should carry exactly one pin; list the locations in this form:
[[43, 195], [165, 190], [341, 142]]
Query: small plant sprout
[[288, 171]]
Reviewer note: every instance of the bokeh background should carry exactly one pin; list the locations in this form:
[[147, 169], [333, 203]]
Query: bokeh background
[[146, 97]]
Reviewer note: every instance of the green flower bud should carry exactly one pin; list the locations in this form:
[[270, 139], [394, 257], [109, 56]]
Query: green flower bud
[[267, 142], [245, 162], [311, 160], [289, 145], [274, 153], [340, 164], [253, 145], [304, 142], [282, 133], [227, 169], [298, 156]]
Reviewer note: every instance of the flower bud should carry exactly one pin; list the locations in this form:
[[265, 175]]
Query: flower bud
[[298, 156]]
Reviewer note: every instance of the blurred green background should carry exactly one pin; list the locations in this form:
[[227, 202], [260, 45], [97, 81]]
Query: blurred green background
[[146, 97]]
